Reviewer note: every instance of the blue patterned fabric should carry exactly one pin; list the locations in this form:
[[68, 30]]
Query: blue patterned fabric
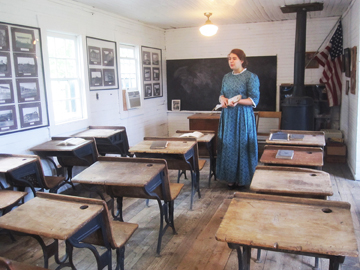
[[237, 151]]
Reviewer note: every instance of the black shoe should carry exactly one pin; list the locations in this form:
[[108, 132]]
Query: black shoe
[[232, 187]]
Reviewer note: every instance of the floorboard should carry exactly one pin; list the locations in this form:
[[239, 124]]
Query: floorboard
[[194, 247]]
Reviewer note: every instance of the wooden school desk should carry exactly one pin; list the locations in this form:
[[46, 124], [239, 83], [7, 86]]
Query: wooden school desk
[[302, 226], [58, 219], [180, 154], [303, 156], [109, 139], [208, 139], [291, 181], [311, 138], [135, 177], [83, 154]]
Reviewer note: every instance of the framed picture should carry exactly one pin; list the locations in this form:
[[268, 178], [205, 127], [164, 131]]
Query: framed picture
[[25, 65], [30, 114], [102, 64], [148, 90], [175, 105], [23, 40], [23, 103], [27, 90], [4, 38], [310, 62], [6, 92], [95, 77], [152, 70], [5, 65], [7, 118], [347, 62]]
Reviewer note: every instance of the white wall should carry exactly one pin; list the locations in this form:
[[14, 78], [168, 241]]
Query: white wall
[[349, 105]]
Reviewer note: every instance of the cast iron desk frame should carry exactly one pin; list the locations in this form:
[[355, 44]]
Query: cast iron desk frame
[[313, 241], [208, 141], [153, 175], [109, 139], [174, 155], [17, 167], [52, 149], [82, 227]]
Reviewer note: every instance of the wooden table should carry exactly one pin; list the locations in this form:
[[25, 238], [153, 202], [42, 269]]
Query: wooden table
[[303, 156], [109, 139], [179, 152], [58, 219], [208, 140], [285, 224], [311, 138], [291, 181], [68, 156], [139, 178], [17, 168]]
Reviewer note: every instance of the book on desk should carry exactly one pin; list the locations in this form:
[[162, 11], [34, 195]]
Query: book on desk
[[158, 145], [71, 142], [285, 154], [282, 136], [195, 134]]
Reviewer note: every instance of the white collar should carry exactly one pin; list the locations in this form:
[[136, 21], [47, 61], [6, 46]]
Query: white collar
[[240, 72]]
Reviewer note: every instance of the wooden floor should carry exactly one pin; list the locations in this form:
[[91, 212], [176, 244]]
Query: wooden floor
[[194, 246]]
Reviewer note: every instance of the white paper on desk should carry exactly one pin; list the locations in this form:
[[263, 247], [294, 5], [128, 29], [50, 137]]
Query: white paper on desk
[[71, 142]]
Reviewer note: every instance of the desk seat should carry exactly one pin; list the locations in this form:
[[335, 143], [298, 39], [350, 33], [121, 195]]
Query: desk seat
[[9, 198], [6, 264]]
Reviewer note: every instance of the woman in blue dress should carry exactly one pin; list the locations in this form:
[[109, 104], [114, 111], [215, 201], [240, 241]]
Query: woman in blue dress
[[237, 153]]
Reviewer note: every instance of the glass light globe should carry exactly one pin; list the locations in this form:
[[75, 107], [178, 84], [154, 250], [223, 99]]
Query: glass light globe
[[208, 29]]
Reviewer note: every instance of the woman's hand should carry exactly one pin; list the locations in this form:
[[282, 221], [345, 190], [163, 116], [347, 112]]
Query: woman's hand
[[223, 101]]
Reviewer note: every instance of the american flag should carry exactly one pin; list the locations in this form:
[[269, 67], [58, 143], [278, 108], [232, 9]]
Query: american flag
[[331, 59]]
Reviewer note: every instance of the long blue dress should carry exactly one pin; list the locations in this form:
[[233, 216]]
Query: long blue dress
[[237, 151]]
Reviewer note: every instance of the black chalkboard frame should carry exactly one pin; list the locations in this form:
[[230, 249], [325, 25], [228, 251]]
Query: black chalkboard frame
[[197, 82]]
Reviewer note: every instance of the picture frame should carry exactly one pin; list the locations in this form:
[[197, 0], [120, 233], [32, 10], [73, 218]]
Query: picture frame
[[133, 99], [23, 40], [6, 92], [23, 87], [175, 104], [347, 62], [102, 64], [28, 90], [30, 114], [310, 62], [25, 65], [8, 119], [4, 38], [152, 72], [5, 65]]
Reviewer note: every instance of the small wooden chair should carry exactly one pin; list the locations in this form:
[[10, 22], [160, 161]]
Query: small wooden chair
[[6, 264], [116, 233], [35, 178]]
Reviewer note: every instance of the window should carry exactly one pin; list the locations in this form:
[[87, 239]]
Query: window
[[66, 83], [128, 67]]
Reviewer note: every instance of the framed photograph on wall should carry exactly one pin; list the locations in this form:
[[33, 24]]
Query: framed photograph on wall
[[8, 118], [28, 90], [30, 114], [175, 105], [23, 103], [102, 64], [152, 72], [6, 92], [4, 38], [347, 62]]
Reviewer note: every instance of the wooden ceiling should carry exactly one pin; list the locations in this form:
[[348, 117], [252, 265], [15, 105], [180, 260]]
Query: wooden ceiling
[[172, 14]]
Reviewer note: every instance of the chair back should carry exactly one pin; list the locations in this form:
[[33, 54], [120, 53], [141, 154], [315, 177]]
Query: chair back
[[267, 121]]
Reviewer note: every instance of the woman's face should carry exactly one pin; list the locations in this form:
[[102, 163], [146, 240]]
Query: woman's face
[[234, 62]]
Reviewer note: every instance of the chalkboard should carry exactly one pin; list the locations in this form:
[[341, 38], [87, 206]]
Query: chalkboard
[[197, 82]]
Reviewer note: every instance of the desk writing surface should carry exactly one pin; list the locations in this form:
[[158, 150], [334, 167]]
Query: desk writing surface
[[292, 224], [207, 137], [311, 138], [303, 156], [53, 146], [173, 147], [11, 163], [291, 181], [49, 218], [130, 174], [97, 133]]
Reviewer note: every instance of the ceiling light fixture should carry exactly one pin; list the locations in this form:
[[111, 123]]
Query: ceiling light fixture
[[208, 29]]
